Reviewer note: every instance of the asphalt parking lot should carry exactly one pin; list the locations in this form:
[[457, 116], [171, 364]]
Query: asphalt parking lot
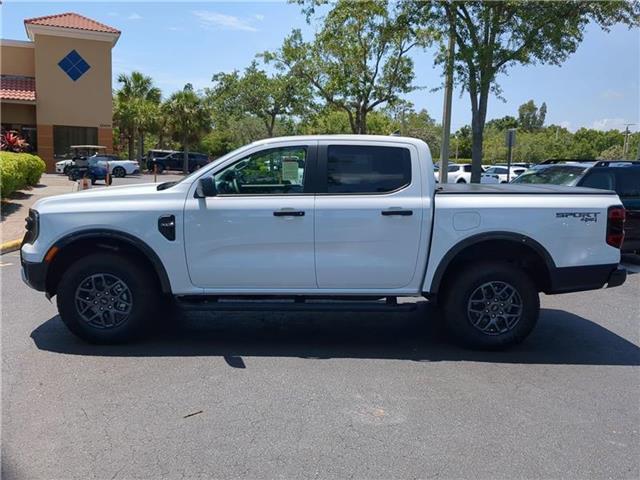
[[266, 395]]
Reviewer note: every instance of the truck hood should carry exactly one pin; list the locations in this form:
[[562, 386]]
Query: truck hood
[[108, 198]]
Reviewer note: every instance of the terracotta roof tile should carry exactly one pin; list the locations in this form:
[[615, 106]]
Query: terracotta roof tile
[[14, 87], [71, 20]]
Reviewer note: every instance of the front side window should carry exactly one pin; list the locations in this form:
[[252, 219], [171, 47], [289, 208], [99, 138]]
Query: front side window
[[276, 171], [367, 169]]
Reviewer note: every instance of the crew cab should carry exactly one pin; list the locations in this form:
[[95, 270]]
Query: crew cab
[[343, 223]]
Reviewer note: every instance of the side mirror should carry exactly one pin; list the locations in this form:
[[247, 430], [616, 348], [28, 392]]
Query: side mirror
[[206, 188]]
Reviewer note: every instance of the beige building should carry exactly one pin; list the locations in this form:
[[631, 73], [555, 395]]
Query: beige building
[[55, 89]]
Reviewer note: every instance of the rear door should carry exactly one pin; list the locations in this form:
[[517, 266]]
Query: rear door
[[368, 215]]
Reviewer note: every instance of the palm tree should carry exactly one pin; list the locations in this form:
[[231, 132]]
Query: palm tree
[[188, 118], [137, 104]]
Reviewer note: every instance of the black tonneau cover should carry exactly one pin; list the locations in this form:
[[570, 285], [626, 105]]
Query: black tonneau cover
[[515, 189]]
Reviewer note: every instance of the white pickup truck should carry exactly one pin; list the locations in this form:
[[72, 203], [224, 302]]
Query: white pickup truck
[[321, 223]]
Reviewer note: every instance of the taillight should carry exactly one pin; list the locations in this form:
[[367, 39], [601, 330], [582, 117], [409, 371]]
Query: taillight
[[615, 226]]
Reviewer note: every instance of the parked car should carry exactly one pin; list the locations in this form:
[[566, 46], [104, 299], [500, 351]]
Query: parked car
[[623, 177], [175, 160], [354, 223], [89, 168], [63, 166], [456, 173], [459, 173], [118, 168], [498, 174]]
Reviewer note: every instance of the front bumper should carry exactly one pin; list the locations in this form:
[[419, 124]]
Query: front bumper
[[34, 274]]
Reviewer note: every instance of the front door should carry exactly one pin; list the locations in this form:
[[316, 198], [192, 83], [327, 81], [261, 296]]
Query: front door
[[256, 234], [368, 216]]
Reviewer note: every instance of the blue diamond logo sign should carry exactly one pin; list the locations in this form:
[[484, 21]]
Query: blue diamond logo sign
[[74, 65]]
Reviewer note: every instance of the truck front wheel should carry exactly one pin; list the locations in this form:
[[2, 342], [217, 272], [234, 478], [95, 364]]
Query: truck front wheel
[[106, 298], [490, 305]]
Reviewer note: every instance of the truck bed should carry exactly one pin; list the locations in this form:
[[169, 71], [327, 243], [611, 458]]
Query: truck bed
[[515, 189]]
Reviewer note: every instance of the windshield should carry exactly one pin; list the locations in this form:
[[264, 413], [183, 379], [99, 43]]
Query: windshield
[[554, 175]]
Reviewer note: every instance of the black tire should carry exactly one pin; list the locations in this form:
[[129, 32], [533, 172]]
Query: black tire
[[66, 170], [461, 180], [93, 179], [138, 287], [73, 175], [119, 172], [492, 331]]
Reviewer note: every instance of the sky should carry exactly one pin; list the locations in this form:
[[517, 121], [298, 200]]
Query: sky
[[181, 42]]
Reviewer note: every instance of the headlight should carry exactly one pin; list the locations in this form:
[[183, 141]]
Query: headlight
[[32, 226]]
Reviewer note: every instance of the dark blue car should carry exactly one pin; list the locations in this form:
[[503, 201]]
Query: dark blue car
[[89, 168]]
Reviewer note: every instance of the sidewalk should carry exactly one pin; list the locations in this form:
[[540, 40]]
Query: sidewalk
[[14, 210]]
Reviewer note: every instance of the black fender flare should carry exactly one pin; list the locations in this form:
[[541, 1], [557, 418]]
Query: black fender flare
[[108, 234], [516, 238]]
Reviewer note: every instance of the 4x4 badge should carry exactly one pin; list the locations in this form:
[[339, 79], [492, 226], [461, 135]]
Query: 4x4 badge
[[582, 216]]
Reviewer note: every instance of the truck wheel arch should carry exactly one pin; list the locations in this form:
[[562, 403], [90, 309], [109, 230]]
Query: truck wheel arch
[[103, 239], [499, 246]]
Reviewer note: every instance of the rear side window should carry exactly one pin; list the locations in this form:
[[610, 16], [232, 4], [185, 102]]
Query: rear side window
[[628, 182], [467, 168], [603, 179], [367, 169]]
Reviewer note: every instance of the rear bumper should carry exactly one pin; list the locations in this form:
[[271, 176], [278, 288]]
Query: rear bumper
[[588, 277], [617, 277]]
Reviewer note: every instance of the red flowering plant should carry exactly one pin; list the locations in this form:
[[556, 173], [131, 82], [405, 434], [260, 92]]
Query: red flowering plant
[[12, 142]]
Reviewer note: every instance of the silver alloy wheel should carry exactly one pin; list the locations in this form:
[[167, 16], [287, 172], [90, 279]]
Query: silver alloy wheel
[[494, 308], [103, 300]]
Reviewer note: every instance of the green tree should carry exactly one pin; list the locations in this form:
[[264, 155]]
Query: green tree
[[492, 36], [530, 117], [358, 59], [503, 123], [256, 93], [188, 119], [614, 152], [137, 108]]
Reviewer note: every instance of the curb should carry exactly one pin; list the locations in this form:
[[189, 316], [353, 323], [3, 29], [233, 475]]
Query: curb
[[11, 246]]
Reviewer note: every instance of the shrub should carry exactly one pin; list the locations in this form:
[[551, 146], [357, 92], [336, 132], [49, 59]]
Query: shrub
[[18, 171]]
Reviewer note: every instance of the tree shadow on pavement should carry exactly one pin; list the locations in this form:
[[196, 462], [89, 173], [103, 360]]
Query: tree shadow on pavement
[[559, 338]]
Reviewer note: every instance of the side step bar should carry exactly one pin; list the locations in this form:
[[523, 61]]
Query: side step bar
[[298, 304]]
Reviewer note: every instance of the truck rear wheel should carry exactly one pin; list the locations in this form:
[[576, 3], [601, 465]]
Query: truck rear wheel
[[490, 305], [106, 298]]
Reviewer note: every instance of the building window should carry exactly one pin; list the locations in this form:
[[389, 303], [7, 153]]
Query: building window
[[64, 137], [74, 65]]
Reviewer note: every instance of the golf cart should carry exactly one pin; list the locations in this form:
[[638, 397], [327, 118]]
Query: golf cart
[[85, 165]]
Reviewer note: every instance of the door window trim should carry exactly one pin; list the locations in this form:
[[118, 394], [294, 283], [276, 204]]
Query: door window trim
[[322, 169]]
